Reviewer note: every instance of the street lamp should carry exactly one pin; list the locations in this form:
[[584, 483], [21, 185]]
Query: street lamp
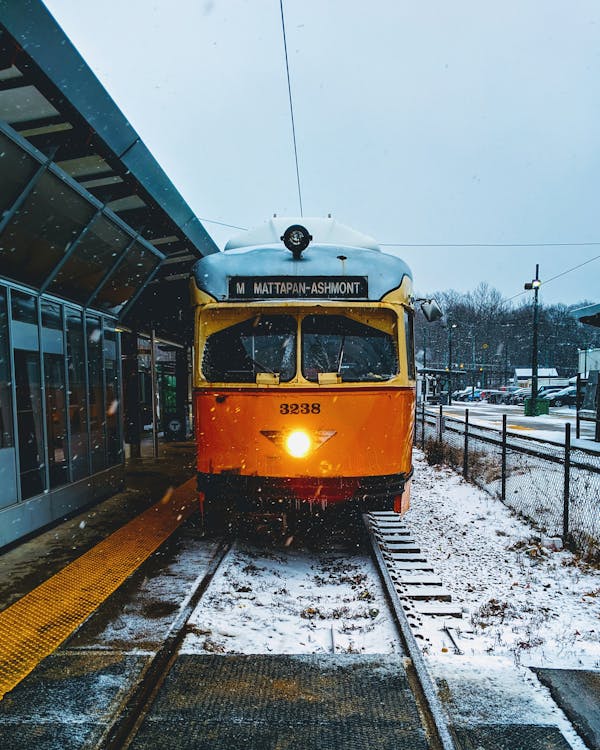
[[531, 410]]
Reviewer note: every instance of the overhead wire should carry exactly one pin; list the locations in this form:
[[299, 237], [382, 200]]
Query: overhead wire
[[287, 69], [222, 223], [491, 244], [558, 275]]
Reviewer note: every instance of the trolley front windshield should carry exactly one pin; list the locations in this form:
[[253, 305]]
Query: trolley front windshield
[[356, 351], [264, 343]]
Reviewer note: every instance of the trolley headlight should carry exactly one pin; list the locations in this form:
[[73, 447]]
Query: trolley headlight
[[298, 444], [296, 238]]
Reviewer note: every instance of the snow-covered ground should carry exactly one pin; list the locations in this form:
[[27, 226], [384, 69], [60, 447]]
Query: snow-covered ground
[[522, 600], [524, 603], [293, 601]]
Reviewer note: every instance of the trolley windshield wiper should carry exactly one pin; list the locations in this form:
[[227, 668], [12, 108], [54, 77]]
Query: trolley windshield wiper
[[340, 356], [264, 368]]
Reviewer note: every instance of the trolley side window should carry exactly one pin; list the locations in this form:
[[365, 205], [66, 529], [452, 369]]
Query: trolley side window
[[262, 344], [409, 333], [355, 351]]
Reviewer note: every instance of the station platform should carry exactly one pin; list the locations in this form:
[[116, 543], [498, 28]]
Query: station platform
[[78, 689]]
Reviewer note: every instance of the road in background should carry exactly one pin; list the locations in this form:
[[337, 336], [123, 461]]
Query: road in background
[[550, 426]]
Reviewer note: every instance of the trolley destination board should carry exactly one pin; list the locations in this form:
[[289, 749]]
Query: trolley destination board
[[298, 287]]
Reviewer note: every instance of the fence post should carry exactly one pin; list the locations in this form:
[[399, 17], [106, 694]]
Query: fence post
[[503, 492], [577, 407], [567, 484], [466, 448], [423, 426], [441, 426]]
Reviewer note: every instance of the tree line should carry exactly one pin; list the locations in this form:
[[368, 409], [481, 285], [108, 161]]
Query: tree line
[[487, 336]]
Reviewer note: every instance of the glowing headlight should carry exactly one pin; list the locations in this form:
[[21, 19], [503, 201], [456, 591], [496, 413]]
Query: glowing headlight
[[297, 444]]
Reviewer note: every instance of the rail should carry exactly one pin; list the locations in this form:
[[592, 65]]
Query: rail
[[120, 734], [423, 685]]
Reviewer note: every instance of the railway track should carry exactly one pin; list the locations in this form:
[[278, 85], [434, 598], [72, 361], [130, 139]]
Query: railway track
[[415, 596], [419, 601], [119, 735]]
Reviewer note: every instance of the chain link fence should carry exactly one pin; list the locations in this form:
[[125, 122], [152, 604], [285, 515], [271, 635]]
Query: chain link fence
[[556, 487]]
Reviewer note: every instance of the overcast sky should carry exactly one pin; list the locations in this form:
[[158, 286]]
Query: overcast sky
[[417, 122]]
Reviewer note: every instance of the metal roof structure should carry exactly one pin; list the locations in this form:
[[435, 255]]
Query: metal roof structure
[[589, 315], [86, 212]]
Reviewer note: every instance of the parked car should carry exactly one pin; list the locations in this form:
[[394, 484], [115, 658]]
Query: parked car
[[471, 394], [466, 394], [565, 397], [519, 396], [491, 395], [507, 393], [543, 390]]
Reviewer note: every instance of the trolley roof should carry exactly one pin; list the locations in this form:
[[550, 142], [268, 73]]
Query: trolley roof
[[339, 264]]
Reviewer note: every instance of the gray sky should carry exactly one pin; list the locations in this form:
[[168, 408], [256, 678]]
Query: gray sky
[[417, 122]]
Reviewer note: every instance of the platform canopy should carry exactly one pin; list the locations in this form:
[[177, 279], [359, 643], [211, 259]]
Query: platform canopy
[[589, 315], [86, 212]]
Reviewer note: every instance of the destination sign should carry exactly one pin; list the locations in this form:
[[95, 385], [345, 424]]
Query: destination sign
[[303, 287]]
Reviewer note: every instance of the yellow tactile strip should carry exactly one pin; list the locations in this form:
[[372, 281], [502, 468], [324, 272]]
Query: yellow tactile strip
[[33, 627]]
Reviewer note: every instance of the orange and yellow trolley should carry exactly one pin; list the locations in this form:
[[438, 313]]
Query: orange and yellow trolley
[[304, 374]]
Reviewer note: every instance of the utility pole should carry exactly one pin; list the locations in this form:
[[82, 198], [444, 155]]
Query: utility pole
[[535, 285], [450, 327]]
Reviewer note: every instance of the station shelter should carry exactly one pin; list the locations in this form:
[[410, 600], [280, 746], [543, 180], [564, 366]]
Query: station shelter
[[590, 370], [95, 250]]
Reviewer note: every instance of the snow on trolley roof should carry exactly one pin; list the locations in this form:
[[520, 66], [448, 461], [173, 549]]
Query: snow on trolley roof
[[339, 263]]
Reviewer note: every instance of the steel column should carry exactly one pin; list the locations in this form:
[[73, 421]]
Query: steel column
[[153, 380]]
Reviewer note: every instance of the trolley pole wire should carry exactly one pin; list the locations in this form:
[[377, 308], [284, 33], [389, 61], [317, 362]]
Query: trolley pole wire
[[287, 68]]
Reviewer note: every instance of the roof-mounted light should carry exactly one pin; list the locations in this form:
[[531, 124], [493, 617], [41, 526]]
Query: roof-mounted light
[[296, 238]]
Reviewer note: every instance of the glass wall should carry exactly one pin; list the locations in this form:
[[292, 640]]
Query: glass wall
[[60, 386], [78, 422], [30, 417], [111, 370], [97, 412], [8, 478], [55, 390]]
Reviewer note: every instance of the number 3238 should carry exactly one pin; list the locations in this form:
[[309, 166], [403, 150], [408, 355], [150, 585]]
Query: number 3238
[[300, 408]]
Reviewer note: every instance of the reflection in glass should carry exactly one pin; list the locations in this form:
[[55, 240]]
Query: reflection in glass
[[16, 168], [265, 343], [6, 414], [8, 474], [96, 393], [29, 400], [55, 392], [130, 274], [113, 446], [94, 255], [42, 230], [357, 352], [77, 399]]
